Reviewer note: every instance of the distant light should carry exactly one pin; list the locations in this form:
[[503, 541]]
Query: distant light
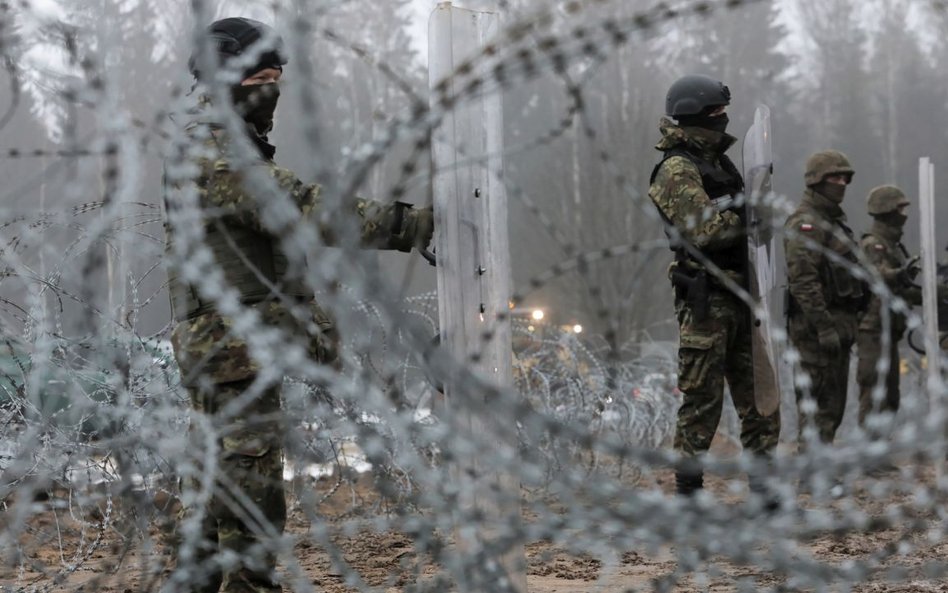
[[537, 314], [577, 329], [530, 328]]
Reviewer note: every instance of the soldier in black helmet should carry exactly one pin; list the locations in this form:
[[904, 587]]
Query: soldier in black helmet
[[216, 229], [693, 187]]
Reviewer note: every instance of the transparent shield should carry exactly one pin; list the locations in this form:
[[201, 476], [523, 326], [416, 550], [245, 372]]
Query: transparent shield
[[761, 248]]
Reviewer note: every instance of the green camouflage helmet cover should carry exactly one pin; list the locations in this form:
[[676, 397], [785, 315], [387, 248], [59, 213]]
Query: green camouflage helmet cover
[[824, 163], [885, 199]]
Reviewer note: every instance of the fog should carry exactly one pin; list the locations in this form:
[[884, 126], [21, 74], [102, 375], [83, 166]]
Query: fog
[[92, 94]]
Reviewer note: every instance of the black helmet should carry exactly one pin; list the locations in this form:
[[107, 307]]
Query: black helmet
[[232, 37], [694, 94]]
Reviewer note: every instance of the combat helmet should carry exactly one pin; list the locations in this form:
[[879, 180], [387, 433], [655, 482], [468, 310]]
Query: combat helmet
[[824, 163], [231, 38], [885, 199], [695, 93]]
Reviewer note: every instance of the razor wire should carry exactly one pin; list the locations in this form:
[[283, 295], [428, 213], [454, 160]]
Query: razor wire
[[100, 468]]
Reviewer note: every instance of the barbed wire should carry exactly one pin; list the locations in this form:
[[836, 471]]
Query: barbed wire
[[593, 421]]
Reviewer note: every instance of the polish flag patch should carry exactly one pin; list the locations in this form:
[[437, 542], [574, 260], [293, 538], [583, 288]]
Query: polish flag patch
[[880, 247], [805, 227]]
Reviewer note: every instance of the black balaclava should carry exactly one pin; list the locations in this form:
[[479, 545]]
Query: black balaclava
[[704, 120], [256, 104], [231, 40], [894, 219]]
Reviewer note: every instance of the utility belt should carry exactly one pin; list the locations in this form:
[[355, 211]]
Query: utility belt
[[732, 260]]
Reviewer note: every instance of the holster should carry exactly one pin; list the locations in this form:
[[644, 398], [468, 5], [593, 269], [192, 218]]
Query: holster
[[694, 289]]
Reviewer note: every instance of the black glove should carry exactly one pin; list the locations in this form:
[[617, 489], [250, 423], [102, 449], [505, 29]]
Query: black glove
[[411, 227], [913, 267]]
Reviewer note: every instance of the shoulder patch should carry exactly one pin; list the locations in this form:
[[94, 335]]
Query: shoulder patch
[[879, 247], [806, 227]]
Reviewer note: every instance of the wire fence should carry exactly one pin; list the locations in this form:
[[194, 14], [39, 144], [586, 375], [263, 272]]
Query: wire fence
[[103, 459]]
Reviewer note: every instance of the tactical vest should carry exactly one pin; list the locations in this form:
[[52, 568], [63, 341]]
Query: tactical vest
[[252, 263], [719, 182], [841, 289], [845, 290]]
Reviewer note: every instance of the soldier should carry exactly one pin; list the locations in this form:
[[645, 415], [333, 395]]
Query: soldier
[[825, 297], [214, 219], [882, 245], [693, 187]]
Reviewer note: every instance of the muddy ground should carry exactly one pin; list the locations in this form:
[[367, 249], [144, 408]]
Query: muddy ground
[[63, 551]]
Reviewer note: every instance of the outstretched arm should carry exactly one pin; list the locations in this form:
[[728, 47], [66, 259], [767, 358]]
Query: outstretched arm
[[382, 226]]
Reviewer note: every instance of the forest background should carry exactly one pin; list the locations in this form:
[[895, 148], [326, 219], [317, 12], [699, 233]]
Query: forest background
[[861, 76]]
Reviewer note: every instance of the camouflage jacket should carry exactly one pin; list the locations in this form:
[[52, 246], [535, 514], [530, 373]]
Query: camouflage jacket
[[247, 250], [679, 193], [817, 283], [882, 246]]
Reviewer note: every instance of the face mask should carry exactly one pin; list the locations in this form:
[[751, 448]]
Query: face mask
[[256, 103], [715, 124], [833, 191], [894, 219]]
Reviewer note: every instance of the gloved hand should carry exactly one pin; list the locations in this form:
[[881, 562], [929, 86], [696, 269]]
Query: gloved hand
[[421, 227], [411, 227], [913, 267], [732, 223], [829, 340]]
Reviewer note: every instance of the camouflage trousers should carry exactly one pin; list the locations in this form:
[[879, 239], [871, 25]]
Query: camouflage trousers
[[712, 351], [828, 372], [246, 512], [869, 348]]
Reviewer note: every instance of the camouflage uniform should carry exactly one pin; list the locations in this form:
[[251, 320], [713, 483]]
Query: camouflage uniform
[[883, 248], [216, 365], [715, 344], [825, 300]]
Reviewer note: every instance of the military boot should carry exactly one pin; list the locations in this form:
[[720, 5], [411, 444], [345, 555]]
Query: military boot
[[687, 483], [769, 501]]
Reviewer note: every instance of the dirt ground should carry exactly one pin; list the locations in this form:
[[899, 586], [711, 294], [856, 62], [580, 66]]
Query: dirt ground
[[63, 551]]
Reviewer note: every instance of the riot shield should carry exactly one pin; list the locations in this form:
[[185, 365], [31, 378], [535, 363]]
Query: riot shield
[[761, 248]]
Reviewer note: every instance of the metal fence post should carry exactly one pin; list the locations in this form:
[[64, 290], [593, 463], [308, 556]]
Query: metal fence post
[[935, 384]]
